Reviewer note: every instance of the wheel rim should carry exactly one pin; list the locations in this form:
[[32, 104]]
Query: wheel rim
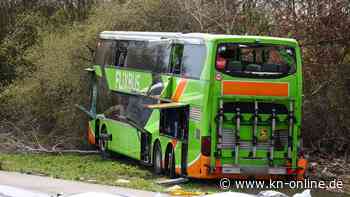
[[102, 145], [103, 142], [170, 162], [158, 160]]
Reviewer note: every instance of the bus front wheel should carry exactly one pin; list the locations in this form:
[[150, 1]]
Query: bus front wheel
[[102, 142], [157, 159]]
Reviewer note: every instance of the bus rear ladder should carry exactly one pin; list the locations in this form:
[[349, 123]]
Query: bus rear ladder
[[290, 128], [237, 134], [220, 120], [272, 138], [255, 129]]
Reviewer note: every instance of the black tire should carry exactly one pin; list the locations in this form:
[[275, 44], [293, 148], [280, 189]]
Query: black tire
[[97, 133], [102, 144], [170, 171], [157, 159]]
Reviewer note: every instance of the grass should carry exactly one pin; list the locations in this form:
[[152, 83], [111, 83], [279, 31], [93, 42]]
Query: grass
[[86, 168], [94, 169]]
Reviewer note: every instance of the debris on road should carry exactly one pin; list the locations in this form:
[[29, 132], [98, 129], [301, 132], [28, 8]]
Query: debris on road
[[122, 181], [230, 194], [97, 194], [177, 190], [172, 181]]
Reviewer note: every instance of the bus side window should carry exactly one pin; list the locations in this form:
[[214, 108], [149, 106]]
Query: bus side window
[[120, 57], [109, 46], [193, 59], [121, 50], [104, 52], [176, 59], [138, 56], [98, 59]]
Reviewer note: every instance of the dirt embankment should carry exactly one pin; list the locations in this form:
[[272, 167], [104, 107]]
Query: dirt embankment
[[327, 167]]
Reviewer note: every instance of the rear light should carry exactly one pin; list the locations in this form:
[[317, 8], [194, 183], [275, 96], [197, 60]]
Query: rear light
[[218, 167], [206, 146], [220, 63]]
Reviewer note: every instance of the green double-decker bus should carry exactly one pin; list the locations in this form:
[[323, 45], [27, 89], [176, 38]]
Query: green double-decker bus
[[199, 105]]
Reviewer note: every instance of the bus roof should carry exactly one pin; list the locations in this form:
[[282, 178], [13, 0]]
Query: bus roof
[[208, 36], [137, 35]]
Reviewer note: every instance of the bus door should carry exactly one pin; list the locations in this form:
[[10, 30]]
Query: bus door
[[184, 143], [177, 87], [174, 123]]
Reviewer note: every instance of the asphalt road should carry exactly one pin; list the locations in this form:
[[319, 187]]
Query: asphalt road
[[46, 186]]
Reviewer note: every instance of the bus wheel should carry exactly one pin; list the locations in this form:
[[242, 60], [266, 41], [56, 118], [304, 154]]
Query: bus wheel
[[171, 164], [157, 159], [102, 143], [97, 133]]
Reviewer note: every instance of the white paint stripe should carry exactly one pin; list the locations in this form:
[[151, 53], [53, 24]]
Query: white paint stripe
[[196, 159]]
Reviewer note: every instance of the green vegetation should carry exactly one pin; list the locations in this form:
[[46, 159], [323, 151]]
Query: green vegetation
[[44, 48], [86, 168], [94, 169]]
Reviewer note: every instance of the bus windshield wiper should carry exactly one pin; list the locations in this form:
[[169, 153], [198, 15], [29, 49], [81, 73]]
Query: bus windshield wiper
[[264, 73]]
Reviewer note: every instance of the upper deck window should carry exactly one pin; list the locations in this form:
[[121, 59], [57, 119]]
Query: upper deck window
[[150, 56], [255, 60], [193, 60], [121, 51], [104, 52], [188, 60]]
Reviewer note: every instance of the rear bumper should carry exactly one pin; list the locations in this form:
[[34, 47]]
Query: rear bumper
[[228, 169], [200, 169]]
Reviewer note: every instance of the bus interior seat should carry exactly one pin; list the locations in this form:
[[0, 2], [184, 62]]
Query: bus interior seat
[[276, 68], [284, 68], [234, 66], [254, 68], [174, 121], [270, 68]]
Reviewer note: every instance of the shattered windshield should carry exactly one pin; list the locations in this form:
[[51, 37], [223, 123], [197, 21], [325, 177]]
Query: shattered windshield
[[255, 60]]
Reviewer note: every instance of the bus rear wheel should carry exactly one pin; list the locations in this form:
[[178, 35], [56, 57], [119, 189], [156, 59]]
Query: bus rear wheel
[[157, 159], [170, 161]]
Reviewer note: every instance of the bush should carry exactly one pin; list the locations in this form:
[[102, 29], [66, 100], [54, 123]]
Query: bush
[[44, 101], [51, 48]]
